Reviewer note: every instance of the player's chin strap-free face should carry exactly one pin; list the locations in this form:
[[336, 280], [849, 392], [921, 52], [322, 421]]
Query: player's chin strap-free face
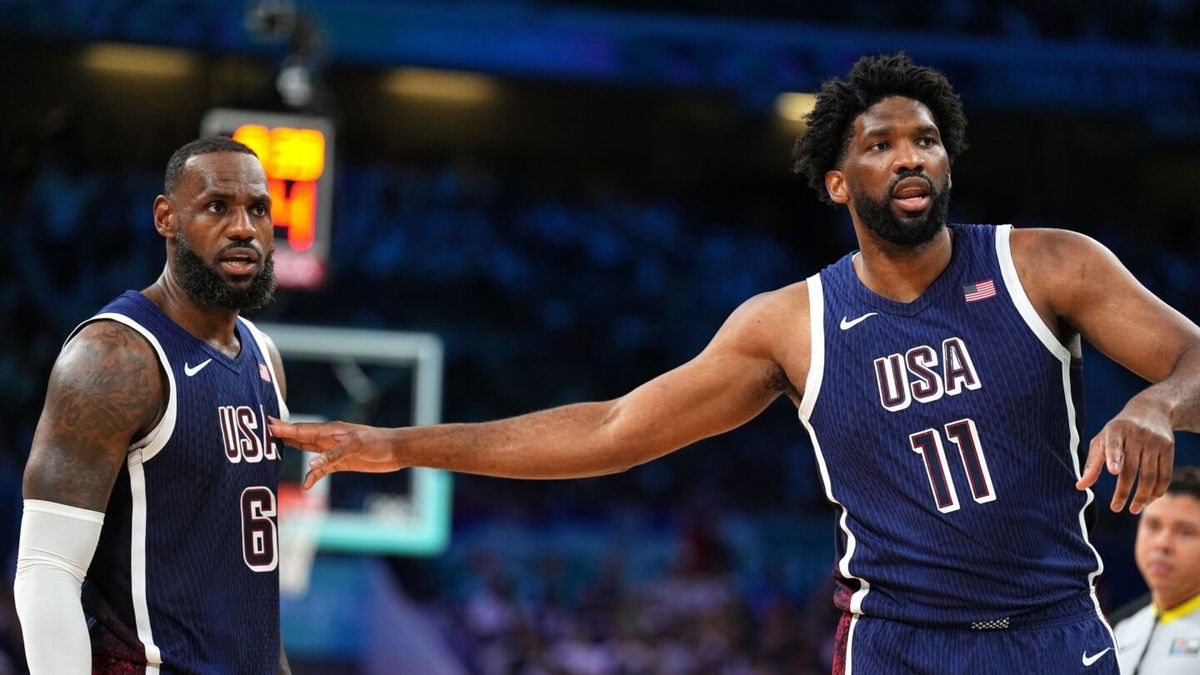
[[57, 545]]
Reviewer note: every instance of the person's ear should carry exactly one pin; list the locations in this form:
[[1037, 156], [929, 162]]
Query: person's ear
[[164, 216], [835, 185]]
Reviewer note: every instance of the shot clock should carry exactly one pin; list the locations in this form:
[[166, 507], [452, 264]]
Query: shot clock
[[297, 153]]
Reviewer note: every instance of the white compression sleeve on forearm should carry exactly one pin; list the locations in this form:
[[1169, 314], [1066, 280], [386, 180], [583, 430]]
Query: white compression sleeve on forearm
[[57, 545]]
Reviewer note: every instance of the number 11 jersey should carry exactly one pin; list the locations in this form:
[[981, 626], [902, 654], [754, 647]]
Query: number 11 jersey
[[947, 431]]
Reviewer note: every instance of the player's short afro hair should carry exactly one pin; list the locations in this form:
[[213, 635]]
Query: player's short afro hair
[[200, 146], [873, 78]]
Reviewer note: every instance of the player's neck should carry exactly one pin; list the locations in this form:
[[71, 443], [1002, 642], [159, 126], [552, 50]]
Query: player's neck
[[901, 273], [211, 325]]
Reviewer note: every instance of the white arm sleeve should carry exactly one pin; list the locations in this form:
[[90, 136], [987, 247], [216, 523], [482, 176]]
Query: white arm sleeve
[[57, 544]]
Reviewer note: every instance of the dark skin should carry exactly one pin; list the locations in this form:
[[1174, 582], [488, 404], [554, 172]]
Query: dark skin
[[1076, 285], [107, 388]]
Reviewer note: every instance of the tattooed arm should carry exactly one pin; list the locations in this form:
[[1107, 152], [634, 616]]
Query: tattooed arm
[[105, 391]]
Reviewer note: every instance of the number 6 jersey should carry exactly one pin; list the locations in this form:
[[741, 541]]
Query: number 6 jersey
[[185, 578], [947, 432]]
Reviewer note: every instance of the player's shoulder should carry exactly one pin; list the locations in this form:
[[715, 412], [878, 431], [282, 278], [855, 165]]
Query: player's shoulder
[[104, 343], [788, 297], [1061, 263], [106, 382], [1050, 245], [780, 306], [771, 325]]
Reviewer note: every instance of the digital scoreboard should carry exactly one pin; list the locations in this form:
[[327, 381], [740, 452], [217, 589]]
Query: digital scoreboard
[[297, 152]]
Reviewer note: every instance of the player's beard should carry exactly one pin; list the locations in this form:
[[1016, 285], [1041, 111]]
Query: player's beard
[[204, 284], [878, 217]]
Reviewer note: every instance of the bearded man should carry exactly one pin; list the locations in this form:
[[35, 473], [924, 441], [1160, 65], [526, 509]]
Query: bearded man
[[149, 539]]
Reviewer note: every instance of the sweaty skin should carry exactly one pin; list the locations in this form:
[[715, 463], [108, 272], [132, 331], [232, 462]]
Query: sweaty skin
[[1076, 285]]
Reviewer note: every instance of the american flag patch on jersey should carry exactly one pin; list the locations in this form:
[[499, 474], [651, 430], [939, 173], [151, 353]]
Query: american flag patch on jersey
[[264, 373], [979, 291]]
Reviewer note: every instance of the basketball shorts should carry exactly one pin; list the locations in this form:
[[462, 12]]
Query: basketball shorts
[[1054, 641]]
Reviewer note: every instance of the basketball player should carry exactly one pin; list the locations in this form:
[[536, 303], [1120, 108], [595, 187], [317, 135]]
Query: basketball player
[[150, 488], [1162, 637], [937, 373]]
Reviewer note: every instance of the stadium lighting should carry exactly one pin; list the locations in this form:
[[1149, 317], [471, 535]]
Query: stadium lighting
[[442, 85], [122, 59], [793, 106]]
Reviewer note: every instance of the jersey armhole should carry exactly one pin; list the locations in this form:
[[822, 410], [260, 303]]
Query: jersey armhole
[[816, 364], [260, 340], [1016, 292], [157, 437]]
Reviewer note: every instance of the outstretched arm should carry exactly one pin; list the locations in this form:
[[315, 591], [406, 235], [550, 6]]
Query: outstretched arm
[[105, 390], [1082, 288], [736, 376]]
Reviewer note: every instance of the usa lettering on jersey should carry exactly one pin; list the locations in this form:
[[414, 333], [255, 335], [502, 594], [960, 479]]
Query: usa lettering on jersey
[[913, 375], [245, 434]]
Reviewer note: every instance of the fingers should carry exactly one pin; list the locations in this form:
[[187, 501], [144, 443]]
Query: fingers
[[312, 437], [1166, 469], [323, 465], [1147, 470], [1093, 466], [1123, 462], [1155, 473], [288, 431], [1135, 454]]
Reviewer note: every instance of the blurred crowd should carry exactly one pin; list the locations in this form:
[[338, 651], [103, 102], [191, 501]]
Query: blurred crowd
[[695, 615]]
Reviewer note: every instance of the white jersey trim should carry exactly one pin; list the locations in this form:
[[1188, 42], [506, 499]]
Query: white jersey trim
[[812, 388], [816, 364], [157, 438], [850, 644], [260, 339], [1100, 614], [1073, 451], [137, 559], [1064, 354], [1016, 291]]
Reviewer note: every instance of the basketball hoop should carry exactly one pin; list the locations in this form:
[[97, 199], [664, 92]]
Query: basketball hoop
[[301, 514]]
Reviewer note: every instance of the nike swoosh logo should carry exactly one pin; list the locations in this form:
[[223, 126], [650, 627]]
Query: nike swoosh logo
[[850, 324], [1089, 660], [192, 370]]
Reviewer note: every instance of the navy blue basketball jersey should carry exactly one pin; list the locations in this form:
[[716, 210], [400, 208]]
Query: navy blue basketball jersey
[[946, 430], [184, 579]]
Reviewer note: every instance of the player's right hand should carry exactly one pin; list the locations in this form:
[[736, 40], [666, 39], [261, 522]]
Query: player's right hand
[[341, 446], [1139, 442]]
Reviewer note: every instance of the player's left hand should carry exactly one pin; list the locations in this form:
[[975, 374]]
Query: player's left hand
[[1138, 443]]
